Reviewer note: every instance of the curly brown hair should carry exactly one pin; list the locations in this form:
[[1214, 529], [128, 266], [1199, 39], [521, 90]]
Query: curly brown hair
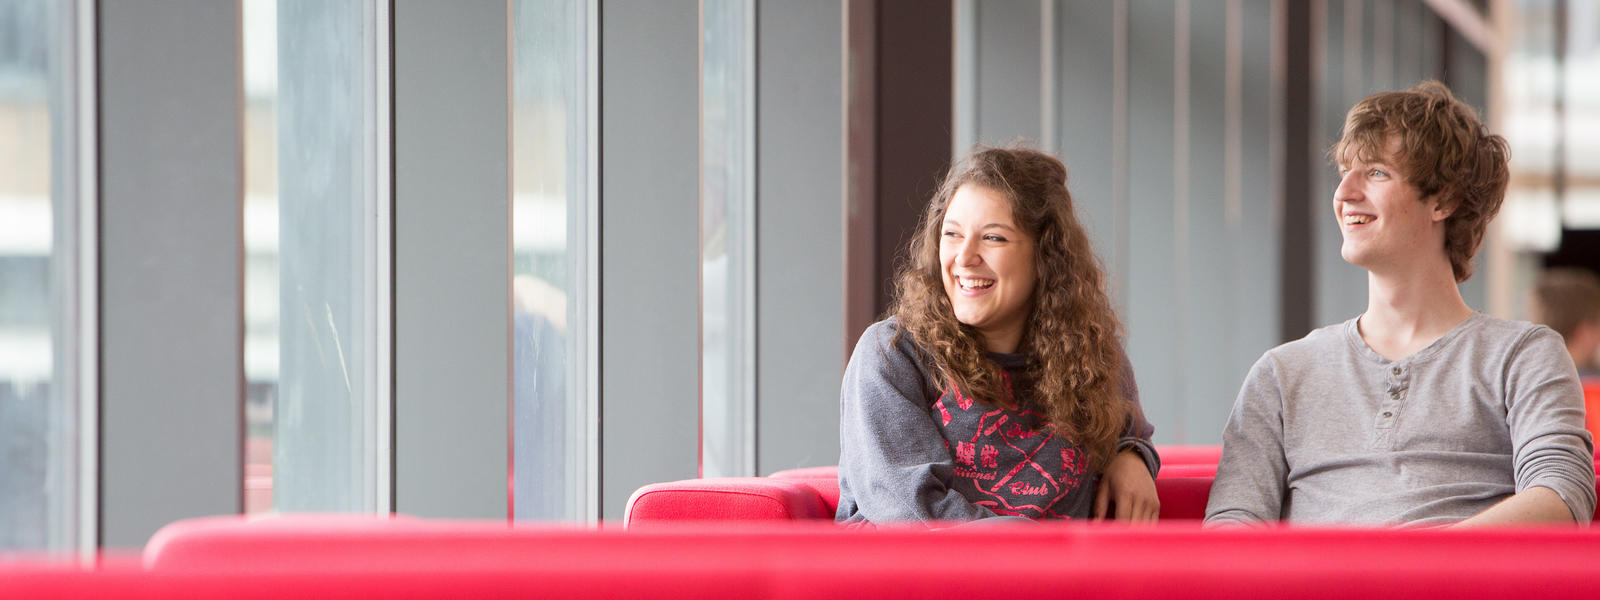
[[1445, 151], [1072, 336]]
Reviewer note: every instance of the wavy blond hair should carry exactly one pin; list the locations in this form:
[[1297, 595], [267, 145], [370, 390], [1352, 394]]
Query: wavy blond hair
[[1072, 337]]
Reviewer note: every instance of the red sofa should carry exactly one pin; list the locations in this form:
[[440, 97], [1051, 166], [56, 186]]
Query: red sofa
[[1183, 485], [348, 557]]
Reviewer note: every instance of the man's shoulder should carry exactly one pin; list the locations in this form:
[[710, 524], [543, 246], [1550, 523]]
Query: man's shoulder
[[1507, 330], [1312, 348]]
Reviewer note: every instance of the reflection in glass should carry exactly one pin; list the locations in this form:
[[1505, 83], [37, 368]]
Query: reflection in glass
[[309, 228], [727, 206], [550, 184], [38, 439]]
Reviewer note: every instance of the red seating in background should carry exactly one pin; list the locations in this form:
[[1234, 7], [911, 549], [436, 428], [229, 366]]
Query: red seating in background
[[1184, 484], [1591, 404]]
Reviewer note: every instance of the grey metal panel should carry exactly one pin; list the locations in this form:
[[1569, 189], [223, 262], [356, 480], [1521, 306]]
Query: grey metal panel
[[1341, 288], [1429, 42], [1469, 82], [649, 254], [1084, 80], [800, 352], [1257, 291], [1209, 316], [1008, 80], [1151, 317], [1407, 43], [452, 271], [171, 255]]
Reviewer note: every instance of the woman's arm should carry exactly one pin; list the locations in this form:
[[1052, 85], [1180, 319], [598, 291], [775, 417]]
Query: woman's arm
[[1128, 485], [893, 463]]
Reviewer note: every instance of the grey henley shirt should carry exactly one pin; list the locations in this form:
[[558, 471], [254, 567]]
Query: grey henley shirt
[[1327, 431]]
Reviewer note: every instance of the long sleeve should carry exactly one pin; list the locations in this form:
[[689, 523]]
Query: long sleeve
[[1544, 409], [1137, 437], [1252, 473], [893, 463]]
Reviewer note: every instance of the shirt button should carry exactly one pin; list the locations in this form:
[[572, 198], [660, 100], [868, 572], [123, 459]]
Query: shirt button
[[1394, 395], [1397, 370], [1387, 414]]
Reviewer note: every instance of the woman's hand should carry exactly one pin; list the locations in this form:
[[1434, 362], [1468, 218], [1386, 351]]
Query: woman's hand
[[1127, 485]]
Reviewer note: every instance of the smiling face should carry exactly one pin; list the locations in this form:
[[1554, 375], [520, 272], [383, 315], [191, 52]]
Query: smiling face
[[986, 262], [1383, 217]]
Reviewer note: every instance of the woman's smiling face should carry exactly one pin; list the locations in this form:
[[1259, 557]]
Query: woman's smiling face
[[987, 265]]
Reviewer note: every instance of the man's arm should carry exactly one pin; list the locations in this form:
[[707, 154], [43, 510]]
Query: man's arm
[[1536, 504], [1553, 454], [1252, 475]]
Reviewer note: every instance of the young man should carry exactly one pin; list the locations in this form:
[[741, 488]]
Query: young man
[[1419, 411]]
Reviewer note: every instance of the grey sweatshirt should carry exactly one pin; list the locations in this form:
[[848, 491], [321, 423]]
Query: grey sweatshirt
[[912, 451], [1327, 431]]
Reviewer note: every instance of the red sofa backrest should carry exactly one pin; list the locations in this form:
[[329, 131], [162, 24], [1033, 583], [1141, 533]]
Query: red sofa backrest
[[379, 558]]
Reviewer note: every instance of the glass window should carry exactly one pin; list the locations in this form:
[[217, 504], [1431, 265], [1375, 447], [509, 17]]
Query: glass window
[[727, 249], [38, 417], [552, 286], [310, 228]]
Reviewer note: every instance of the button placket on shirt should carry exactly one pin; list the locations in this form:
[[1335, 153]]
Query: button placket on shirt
[[1388, 414]]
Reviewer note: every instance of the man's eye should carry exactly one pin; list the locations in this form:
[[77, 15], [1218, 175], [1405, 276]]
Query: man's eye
[[1377, 173]]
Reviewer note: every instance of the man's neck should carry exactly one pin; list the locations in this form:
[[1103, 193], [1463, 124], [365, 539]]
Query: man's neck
[[1407, 309]]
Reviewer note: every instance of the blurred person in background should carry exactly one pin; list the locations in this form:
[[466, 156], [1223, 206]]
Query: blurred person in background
[[1568, 301]]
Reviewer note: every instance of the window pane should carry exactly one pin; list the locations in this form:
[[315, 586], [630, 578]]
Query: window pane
[[727, 204], [38, 429], [550, 221], [309, 229]]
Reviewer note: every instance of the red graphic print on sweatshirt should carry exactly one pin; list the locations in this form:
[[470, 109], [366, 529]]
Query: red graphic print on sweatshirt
[[1010, 461]]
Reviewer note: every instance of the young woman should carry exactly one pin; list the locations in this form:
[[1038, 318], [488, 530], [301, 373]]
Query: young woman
[[998, 387]]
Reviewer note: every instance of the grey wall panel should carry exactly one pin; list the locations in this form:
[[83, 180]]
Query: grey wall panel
[[171, 253], [1407, 43], [452, 270], [800, 355], [1151, 316], [1428, 42], [1008, 81], [1085, 78], [1256, 295], [1208, 314], [1371, 77], [649, 254], [1341, 288], [1468, 79]]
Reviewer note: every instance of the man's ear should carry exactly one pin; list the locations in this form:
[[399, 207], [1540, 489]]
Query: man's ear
[[1441, 207]]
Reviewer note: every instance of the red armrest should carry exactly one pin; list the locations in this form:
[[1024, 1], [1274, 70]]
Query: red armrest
[[823, 480], [726, 499]]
